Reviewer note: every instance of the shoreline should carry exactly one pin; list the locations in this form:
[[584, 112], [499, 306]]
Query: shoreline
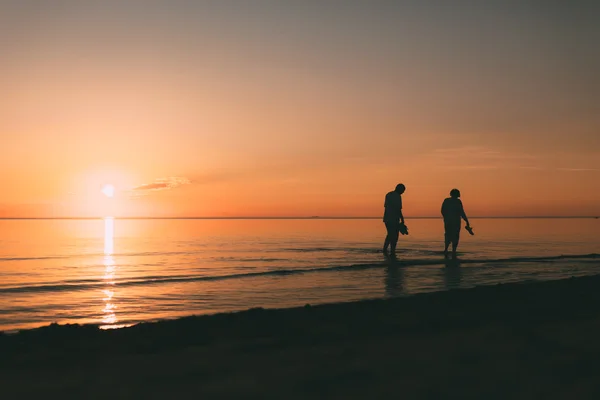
[[477, 336], [342, 306], [388, 265]]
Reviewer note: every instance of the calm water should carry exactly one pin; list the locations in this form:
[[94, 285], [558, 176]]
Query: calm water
[[119, 272]]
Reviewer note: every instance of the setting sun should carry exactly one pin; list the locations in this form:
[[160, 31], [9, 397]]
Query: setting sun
[[108, 190]]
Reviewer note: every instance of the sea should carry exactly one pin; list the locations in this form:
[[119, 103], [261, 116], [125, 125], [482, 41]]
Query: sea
[[119, 272]]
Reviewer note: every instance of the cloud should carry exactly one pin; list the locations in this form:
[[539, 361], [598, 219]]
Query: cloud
[[577, 169], [478, 151], [481, 152], [160, 184], [481, 158], [472, 167]]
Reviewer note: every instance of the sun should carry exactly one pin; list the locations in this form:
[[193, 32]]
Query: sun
[[108, 190]]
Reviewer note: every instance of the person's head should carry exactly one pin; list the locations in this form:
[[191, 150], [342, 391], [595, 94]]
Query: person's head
[[455, 193], [400, 188]]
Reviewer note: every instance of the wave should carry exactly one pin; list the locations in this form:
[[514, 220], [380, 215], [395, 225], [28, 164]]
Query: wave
[[181, 253], [368, 250], [355, 250], [99, 255], [32, 258], [88, 284]]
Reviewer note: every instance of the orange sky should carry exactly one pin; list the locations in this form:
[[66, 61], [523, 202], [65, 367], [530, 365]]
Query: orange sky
[[274, 109]]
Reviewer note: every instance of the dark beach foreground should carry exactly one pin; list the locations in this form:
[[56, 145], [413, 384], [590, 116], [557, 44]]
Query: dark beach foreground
[[533, 340]]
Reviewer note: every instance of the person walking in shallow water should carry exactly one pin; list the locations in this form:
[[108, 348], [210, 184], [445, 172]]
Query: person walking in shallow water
[[393, 218], [453, 211]]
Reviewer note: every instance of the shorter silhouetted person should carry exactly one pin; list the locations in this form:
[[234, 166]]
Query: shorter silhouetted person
[[393, 218], [453, 211]]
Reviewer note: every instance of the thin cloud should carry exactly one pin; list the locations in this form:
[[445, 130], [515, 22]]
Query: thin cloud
[[481, 158], [153, 186], [481, 152], [467, 150], [533, 168], [472, 167], [159, 185], [577, 169]]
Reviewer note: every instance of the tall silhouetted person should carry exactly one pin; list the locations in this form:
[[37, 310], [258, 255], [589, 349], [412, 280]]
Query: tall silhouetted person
[[393, 218], [453, 211]]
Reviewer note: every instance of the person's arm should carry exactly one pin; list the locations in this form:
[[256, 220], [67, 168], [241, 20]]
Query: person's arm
[[463, 214], [400, 206]]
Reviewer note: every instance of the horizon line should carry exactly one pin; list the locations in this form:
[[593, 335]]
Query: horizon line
[[293, 217]]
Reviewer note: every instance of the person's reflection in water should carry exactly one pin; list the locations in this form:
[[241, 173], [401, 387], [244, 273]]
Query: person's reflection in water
[[452, 275], [394, 279]]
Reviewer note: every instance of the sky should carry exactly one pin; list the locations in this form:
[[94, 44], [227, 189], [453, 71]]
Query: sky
[[298, 108]]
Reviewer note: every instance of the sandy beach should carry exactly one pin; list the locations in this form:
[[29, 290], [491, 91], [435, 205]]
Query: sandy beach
[[528, 340]]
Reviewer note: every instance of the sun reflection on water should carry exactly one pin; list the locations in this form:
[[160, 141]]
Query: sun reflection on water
[[109, 317]]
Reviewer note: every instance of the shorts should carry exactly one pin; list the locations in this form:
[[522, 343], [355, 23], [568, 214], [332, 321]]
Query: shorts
[[452, 231], [393, 228]]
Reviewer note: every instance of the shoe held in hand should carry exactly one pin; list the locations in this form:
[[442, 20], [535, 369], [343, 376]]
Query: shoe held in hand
[[403, 229]]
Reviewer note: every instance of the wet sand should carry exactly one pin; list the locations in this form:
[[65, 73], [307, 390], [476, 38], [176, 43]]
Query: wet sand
[[528, 340]]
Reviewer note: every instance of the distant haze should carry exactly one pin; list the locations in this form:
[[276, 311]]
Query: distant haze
[[298, 108]]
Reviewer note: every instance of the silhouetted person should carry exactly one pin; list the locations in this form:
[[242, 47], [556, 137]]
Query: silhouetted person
[[392, 217], [453, 211]]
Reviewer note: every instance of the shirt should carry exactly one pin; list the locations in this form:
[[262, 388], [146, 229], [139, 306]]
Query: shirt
[[393, 207], [452, 210]]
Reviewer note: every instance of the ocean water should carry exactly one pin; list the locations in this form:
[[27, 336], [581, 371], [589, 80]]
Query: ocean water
[[116, 273]]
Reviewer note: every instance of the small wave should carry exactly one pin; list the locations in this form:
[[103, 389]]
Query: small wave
[[535, 259], [258, 259], [4, 259], [355, 250], [99, 255], [307, 249], [153, 280], [368, 250]]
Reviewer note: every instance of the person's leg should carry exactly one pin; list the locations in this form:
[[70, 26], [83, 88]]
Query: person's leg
[[447, 238], [386, 243], [446, 244], [455, 241], [394, 234]]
